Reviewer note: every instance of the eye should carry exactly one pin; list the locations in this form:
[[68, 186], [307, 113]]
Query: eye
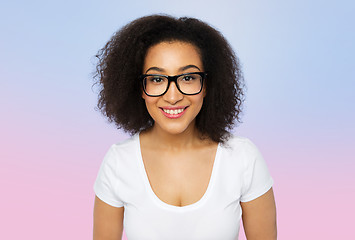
[[155, 79], [188, 78]]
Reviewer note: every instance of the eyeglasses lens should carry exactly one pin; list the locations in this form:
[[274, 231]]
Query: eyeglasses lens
[[188, 84]]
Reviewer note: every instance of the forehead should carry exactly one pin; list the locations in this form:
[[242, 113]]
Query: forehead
[[172, 55]]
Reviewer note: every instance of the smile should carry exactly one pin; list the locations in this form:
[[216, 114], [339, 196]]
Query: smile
[[173, 113]]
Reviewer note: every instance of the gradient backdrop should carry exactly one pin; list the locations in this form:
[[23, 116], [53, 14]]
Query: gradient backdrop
[[298, 60]]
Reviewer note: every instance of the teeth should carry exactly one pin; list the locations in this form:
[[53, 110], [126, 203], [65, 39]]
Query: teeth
[[175, 111]]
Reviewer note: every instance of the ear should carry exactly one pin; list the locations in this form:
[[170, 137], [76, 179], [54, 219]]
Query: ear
[[143, 94], [204, 91]]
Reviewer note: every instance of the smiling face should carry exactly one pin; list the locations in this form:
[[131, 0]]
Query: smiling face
[[173, 112]]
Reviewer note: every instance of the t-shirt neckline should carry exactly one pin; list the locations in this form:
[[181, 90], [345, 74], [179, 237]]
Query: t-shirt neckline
[[165, 205]]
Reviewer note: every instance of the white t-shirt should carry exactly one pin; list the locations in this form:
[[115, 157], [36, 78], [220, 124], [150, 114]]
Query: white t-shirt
[[239, 174]]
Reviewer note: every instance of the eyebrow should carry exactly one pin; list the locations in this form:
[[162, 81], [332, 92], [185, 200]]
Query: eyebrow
[[180, 69]]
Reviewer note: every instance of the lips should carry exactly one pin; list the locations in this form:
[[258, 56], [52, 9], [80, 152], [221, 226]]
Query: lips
[[173, 112]]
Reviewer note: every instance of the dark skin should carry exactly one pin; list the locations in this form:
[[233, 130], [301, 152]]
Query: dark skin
[[108, 221], [173, 150]]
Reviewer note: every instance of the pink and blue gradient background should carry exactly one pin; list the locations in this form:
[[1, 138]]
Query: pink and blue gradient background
[[298, 61]]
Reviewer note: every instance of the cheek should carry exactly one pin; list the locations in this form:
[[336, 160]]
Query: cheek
[[198, 100], [150, 103]]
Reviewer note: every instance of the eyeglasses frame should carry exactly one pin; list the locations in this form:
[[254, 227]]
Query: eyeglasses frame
[[173, 79]]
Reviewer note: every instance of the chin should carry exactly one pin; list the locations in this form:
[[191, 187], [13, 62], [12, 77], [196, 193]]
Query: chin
[[174, 129]]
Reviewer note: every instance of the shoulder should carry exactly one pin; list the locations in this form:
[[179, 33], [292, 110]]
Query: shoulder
[[122, 151], [240, 143], [127, 144], [241, 150]]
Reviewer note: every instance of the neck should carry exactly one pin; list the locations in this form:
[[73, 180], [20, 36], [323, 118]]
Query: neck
[[179, 141]]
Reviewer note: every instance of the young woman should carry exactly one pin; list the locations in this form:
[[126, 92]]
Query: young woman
[[176, 86]]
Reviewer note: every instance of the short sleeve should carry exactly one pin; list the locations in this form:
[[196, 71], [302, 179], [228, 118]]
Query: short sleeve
[[257, 179], [106, 181]]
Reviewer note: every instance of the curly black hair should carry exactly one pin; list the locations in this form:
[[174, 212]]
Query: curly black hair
[[120, 63]]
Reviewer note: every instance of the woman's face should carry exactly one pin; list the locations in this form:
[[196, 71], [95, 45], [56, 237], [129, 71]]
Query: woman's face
[[173, 112]]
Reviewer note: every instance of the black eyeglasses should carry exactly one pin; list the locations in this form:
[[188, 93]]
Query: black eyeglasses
[[155, 85]]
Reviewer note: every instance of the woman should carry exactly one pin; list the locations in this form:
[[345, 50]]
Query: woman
[[176, 86]]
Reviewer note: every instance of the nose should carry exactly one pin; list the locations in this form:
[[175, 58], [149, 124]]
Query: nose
[[173, 95]]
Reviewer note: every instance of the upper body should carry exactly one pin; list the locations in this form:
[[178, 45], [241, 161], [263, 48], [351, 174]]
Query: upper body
[[194, 201], [182, 176]]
